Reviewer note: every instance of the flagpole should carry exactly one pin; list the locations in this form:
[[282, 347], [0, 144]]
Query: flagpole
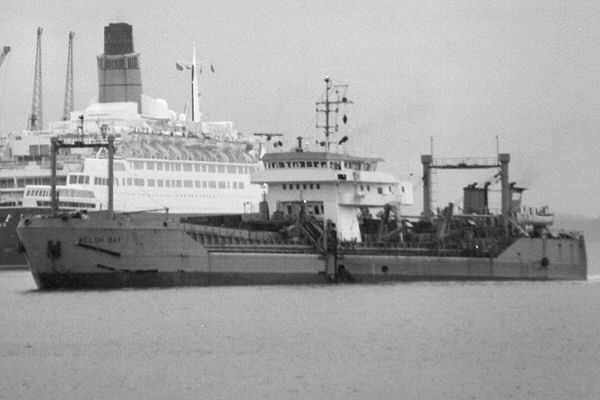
[[195, 105]]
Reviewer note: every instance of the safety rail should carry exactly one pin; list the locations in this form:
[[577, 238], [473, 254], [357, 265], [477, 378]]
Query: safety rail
[[258, 248], [465, 162]]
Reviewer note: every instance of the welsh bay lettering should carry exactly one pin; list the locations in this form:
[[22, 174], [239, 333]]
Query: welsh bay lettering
[[97, 240]]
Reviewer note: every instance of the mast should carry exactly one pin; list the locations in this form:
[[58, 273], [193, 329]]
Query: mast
[[195, 105], [332, 127]]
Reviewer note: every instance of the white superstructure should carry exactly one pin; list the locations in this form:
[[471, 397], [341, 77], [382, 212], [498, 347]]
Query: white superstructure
[[330, 186]]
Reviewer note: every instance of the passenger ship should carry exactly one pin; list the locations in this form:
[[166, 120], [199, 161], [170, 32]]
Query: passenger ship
[[164, 160]]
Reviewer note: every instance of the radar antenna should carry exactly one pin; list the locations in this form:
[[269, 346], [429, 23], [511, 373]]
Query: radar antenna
[[329, 106]]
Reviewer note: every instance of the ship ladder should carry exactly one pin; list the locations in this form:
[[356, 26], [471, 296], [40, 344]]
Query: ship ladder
[[314, 233]]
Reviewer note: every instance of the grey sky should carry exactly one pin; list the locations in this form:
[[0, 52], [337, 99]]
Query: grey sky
[[461, 72]]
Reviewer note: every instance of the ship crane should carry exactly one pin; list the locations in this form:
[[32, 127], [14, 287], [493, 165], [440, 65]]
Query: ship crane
[[35, 118], [68, 105], [5, 51]]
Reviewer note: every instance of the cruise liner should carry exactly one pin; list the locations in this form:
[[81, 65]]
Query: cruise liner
[[327, 217], [164, 161]]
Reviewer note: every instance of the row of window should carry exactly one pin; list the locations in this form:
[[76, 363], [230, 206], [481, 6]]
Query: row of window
[[7, 183], [175, 183], [309, 186], [197, 167], [304, 186], [61, 192], [67, 204], [357, 166], [118, 63]]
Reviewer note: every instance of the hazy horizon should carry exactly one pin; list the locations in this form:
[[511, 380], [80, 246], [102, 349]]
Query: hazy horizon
[[461, 72]]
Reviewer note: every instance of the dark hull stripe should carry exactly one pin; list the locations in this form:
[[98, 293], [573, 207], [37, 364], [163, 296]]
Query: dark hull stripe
[[120, 279]]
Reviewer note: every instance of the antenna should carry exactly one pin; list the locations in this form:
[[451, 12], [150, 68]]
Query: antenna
[[497, 146], [340, 92]]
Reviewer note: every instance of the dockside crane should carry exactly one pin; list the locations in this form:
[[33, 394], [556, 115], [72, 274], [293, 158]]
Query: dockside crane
[[5, 51], [35, 118], [68, 106]]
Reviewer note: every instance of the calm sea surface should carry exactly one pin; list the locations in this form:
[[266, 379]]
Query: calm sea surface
[[483, 340]]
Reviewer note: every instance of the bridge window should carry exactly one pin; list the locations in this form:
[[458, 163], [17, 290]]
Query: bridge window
[[138, 182], [212, 168], [284, 186], [379, 190], [221, 185], [221, 168], [309, 164], [138, 165], [160, 183], [240, 185], [302, 164], [187, 167], [150, 182], [188, 184], [150, 165], [212, 184]]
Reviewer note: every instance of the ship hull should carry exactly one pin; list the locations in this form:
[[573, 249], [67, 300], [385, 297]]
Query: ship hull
[[152, 251], [11, 252]]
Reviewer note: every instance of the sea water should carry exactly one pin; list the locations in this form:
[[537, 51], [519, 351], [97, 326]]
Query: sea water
[[447, 340]]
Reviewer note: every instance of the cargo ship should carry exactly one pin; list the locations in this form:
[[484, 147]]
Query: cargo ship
[[326, 216]]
